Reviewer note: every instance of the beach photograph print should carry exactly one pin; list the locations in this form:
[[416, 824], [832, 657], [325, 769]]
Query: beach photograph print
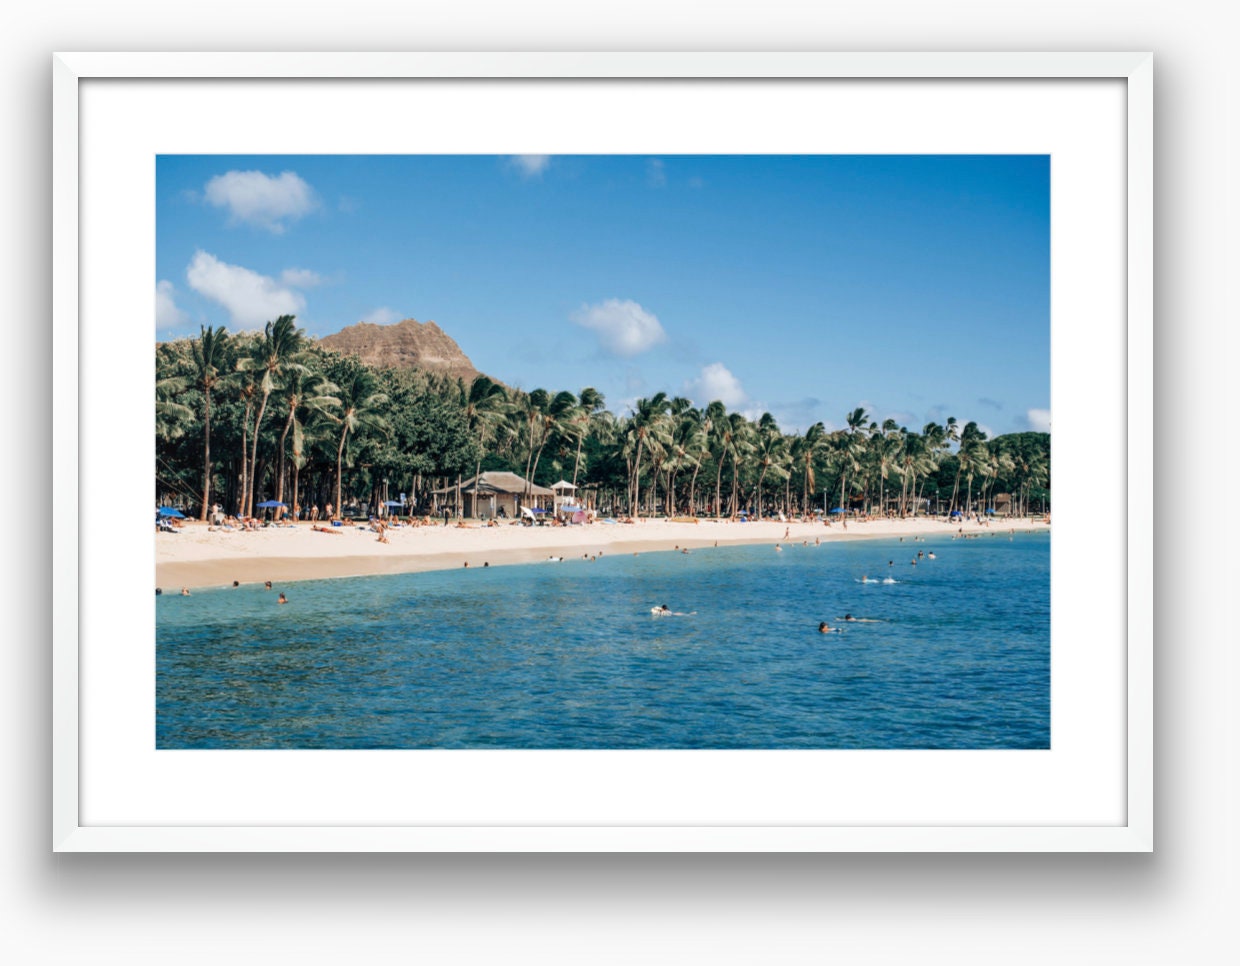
[[602, 452]]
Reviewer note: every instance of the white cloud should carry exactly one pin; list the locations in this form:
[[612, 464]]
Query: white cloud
[[381, 316], [258, 199], [623, 327], [251, 299], [716, 382], [531, 165], [656, 175], [1039, 420], [167, 314], [300, 278]]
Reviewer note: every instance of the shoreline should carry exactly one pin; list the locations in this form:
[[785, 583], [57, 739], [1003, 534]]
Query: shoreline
[[198, 558]]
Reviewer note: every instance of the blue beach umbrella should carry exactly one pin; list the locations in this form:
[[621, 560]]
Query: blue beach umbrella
[[957, 513], [991, 510], [170, 511], [838, 509], [271, 504]]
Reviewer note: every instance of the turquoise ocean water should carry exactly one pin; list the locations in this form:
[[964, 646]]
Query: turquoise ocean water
[[567, 655]]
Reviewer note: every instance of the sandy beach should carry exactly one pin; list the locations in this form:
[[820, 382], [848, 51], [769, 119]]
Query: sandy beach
[[197, 556]]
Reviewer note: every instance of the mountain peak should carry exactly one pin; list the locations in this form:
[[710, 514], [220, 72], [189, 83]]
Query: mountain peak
[[408, 344]]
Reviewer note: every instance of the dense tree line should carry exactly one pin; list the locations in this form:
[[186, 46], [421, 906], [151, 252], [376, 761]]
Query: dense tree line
[[251, 417]]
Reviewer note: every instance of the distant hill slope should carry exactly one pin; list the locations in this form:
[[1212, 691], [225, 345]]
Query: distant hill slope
[[403, 345]]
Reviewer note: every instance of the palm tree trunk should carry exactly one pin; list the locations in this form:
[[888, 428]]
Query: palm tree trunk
[[637, 478], [295, 482], [206, 455], [339, 462], [280, 471], [577, 461], [258, 422], [245, 428], [693, 488]]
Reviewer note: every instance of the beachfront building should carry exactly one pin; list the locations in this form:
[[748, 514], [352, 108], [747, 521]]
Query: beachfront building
[[485, 495]]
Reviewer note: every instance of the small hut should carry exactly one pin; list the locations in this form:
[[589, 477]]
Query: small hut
[[496, 493], [563, 493]]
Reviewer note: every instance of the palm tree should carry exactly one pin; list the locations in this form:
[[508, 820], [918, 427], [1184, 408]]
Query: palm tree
[[273, 357], [806, 450], [717, 429], [850, 447], [209, 353], [170, 416], [484, 407], [739, 444], [768, 446], [646, 428], [887, 456], [301, 388], [530, 408], [247, 389], [361, 403], [316, 430], [689, 442], [972, 452], [589, 404], [552, 419]]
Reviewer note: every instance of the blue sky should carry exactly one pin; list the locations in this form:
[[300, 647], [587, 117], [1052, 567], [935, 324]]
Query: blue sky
[[916, 286]]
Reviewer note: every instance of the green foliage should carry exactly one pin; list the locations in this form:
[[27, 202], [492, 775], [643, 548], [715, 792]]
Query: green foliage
[[283, 411]]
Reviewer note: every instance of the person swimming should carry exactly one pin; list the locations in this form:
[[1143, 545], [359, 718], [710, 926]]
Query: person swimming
[[890, 580], [931, 555], [282, 599], [661, 610], [858, 620], [825, 628]]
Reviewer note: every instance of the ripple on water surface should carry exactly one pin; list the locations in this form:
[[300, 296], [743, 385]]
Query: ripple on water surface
[[568, 655]]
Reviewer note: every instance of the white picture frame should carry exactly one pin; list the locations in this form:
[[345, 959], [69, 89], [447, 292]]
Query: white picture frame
[[74, 567]]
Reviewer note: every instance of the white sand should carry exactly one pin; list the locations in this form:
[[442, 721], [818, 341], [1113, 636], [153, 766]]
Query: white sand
[[199, 557]]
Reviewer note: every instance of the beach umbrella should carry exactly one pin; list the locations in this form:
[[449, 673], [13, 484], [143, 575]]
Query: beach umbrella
[[271, 504], [991, 510], [957, 513], [838, 509], [393, 503], [170, 511]]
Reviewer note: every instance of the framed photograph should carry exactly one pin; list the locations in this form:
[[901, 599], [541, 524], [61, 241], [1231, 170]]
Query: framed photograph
[[603, 452]]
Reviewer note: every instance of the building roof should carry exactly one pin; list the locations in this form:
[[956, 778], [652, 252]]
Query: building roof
[[499, 482]]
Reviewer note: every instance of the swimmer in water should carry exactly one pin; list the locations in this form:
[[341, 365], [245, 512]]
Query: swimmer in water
[[282, 599], [660, 611], [778, 548], [890, 580], [858, 620], [931, 554], [825, 628]]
